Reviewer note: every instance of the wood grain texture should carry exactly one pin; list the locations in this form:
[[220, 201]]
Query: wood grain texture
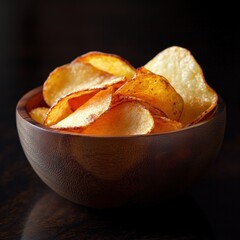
[[105, 172]]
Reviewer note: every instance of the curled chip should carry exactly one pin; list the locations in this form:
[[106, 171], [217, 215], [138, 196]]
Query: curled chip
[[78, 99], [127, 118], [154, 90], [88, 112], [186, 76], [38, 114], [67, 105], [75, 77], [110, 63]]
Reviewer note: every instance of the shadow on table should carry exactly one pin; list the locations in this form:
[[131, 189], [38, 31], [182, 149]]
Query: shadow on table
[[53, 217]]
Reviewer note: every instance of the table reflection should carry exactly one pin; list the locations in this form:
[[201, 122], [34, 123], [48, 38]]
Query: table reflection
[[53, 217]]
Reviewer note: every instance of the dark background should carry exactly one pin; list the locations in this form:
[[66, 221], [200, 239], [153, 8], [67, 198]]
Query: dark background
[[37, 36]]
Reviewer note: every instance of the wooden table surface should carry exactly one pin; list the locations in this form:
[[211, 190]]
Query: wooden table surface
[[210, 209]]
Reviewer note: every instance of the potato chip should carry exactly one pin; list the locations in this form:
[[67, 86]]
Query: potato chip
[[67, 105], [39, 114], [75, 77], [154, 111], [75, 100], [186, 76], [154, 90], [127, 118], [162, 124], [88, 112], [207, 114], [110, 63]]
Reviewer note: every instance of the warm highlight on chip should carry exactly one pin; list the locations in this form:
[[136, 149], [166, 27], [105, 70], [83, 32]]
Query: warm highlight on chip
[[110, 63], [186, 76], [155, 90], [127, 118], [73, 77], [39, 114], [88, 112], [102, 94]]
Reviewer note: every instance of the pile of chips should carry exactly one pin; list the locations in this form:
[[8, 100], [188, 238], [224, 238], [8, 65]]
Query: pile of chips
[[103, 94]]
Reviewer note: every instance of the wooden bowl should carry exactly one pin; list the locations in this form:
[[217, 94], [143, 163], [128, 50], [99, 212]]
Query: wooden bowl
[[105, 172]]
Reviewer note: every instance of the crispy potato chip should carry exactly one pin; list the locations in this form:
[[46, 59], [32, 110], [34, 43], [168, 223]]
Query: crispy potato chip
[[110, 63], [162, 124], [78, 99], [154, 111], [68, 104], [39, 114], [185, 75], [154, 90], [207, 114], [127, 118], [75, 77], [88, 112]]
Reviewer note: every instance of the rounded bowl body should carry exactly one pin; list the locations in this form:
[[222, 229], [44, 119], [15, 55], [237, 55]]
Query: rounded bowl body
[[103, 172]]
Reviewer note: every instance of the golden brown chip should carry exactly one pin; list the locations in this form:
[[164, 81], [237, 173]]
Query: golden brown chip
[[186, 76], [75, 77], [76, 101], [162, 124], [154, 111], [110, 63], [154, 90], [127, 118], [204, 116], [67, 105], [88, 112], [39, 114]]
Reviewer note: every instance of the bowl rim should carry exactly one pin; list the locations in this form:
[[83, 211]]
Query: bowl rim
[[22, 112]]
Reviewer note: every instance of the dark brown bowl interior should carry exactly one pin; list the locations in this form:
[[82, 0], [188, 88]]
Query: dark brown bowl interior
[[103, 172]]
